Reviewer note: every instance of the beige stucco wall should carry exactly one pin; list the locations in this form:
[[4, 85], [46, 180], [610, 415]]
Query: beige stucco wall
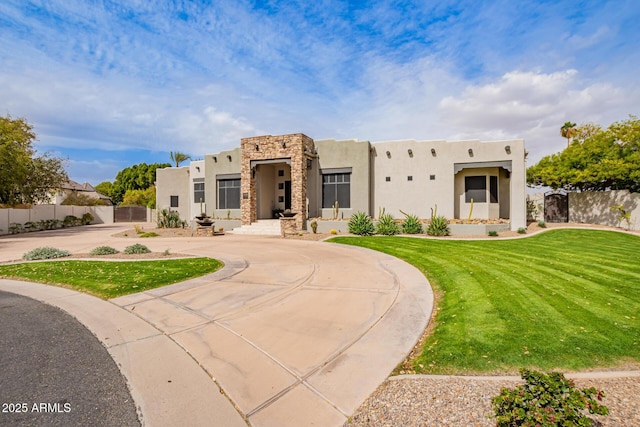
[[595, 207], [418, 196], [174, 182], [219, 164], [336, 154]]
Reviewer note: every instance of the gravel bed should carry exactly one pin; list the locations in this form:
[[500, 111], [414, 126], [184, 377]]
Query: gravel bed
[[456, 401]]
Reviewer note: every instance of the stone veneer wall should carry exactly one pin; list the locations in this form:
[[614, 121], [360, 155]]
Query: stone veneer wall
[[299, 148]]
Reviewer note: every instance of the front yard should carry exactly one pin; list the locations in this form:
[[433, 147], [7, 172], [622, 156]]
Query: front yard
[[564, 299]]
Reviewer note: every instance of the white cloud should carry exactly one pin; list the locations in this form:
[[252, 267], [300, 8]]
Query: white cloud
[[533, 106]]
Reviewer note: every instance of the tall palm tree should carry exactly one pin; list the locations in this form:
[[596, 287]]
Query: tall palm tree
[[178, 157], [568, 130]]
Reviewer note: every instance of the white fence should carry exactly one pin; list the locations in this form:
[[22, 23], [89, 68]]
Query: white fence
[[8, 216]]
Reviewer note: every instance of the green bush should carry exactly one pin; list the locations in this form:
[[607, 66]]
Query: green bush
[[387, 226], [45, 253], [411, 224], [15, 228], [137, 249], [522, 230], [542, 224], [169, 219], [104, 250], [87, 218], [493, 233], [439, 226], [71, 221], [33, 226], [361, 224], [546, 400]]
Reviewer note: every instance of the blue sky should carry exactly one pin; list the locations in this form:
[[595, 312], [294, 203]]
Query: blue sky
[[109, 84]]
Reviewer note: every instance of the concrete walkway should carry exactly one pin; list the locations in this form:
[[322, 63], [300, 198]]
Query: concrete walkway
[[293, 332]]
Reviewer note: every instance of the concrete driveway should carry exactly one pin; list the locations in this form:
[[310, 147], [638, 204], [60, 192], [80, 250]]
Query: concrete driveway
[[293, 332]]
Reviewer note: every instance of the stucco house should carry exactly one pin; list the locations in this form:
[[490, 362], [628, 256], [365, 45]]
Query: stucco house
[[270, 174], [73, 188]]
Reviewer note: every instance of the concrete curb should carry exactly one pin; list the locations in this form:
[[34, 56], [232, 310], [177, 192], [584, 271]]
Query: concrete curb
[[166, 383]]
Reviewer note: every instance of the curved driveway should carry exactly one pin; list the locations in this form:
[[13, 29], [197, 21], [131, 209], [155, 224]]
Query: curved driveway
[[293, 332]]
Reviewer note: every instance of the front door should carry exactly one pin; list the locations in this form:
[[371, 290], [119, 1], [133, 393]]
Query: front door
[[287, 195]]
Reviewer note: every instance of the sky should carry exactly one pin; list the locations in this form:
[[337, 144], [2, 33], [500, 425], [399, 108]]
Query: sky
[[109, 84]]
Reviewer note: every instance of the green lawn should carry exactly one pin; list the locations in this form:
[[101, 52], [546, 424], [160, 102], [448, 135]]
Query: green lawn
[[110, 279], [564, 299]]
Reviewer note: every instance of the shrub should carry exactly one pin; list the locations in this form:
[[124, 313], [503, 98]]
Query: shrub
[[87, 218], [15, 228], [104, 250], [45, 253], [439, 226], [522, 230], [333, 231], [314, 226], [411, 224], [387, 226], [169, 219], [361, 224], [547, 400], [493, 233], [542, 224], [136, 249], [71, 221]]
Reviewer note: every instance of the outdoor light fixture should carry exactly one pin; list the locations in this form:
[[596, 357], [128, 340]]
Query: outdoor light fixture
[[389, 154], [215, 159], [257, 147], [283, 144], [508, 149], [433, 152], [229, 157], [198, 168], [410, 152], [470, 152]]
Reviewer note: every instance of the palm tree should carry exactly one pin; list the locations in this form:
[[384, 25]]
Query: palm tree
[[568, 130], [178, 157]]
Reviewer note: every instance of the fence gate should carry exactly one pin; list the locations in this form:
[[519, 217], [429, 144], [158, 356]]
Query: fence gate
[[556, 207], [130, 214]]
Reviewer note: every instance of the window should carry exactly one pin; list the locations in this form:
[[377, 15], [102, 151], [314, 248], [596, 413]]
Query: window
[[432, 177], [336, 187], [198, 192], [387, 178], [228, 194], [475, 187], [493, 189], [410, 178], [174, 201]]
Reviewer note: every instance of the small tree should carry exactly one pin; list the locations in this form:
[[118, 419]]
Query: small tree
[[25, 176]]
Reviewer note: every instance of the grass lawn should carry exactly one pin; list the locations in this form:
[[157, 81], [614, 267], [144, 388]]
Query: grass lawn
[[564, 299], [110, 279]]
